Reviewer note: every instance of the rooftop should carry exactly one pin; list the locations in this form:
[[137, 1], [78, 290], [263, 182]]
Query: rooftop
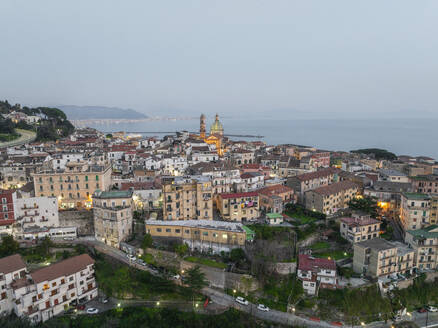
[[415, 196], [207, 224], [428, 232], [113, 194], [376, 243], [62, 269], [11, 263], [359, 222], [317, 174], [239, 195], [309, 263], [334, 188]]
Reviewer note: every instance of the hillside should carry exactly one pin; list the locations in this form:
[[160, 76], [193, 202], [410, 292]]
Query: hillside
[[99, 112]]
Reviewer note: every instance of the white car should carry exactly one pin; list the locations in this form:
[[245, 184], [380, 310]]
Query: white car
[[92, 311], [432, 309], [131, 257], [241, 300], [69, 238], [262, 307]]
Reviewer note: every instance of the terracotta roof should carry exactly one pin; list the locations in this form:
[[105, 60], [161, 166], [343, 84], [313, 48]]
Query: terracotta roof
[[63, 268], [137, 185], [275, 190], [308, 263], [239, 195], [317, 174], [6, 222], [11, 263], [334, 188]]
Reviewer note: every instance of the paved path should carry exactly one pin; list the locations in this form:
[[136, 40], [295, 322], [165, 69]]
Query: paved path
[[25, 137]]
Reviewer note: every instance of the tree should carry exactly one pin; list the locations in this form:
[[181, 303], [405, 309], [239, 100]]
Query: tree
[[147, 241], [181, 249], [44, 247], [364, 204], [8, 246], [195, 278], [109, 136], [237, 255]]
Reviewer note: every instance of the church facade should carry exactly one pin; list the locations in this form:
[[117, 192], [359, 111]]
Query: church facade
[[216, 135]]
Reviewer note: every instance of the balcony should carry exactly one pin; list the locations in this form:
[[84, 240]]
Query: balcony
[[25, 207]]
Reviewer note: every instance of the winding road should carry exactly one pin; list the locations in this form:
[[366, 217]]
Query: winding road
[[26, 136]]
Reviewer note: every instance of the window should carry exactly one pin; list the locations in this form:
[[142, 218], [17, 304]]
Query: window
[[177, 230], [97, 178], [86, 178], [168, 230], [158, 229]]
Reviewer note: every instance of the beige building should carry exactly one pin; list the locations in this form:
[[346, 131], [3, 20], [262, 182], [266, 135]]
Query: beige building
[[187, 198], [73, 186], [329, 199], [380, 258], [112, 216], [359, 229], [239, 206], [202, 235], [415, 211], [48, 291], [425, 243]]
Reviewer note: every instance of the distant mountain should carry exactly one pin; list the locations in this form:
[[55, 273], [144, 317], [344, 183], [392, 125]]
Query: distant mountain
[[99, 112]]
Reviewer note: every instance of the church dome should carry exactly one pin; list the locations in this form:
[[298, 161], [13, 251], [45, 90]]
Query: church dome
[[216, 127]]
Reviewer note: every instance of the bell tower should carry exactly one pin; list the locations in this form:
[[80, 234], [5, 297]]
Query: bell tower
[[202, 127]]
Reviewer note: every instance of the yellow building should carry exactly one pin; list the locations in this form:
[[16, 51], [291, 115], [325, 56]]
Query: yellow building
[[239, 206]]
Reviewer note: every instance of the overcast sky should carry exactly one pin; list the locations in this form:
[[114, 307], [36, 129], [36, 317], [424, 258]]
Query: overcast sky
[[233, 57]]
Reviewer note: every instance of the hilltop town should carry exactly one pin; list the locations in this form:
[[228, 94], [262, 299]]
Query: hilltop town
[[290, 234]]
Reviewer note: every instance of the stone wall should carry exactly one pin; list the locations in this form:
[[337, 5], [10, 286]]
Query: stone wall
[[285, 267], [430, 277], [309, 240], [82, 219]]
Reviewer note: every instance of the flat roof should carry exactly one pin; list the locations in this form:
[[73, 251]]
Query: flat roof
[[207, 224]]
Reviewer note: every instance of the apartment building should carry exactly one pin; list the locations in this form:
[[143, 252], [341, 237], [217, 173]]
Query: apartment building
[[359, 228], [112, 212], [415, 211], [46, 292], [239, 206], [380, 258], [329, 199], [308, 181], [202, 235], [273, 198], [425, 243], [187, 198], [393, 176], [73, 185], [316, 273], [425, 184], [36, 212], [7, 218]]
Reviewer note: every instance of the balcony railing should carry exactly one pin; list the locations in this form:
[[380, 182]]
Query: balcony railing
[[25, 207]]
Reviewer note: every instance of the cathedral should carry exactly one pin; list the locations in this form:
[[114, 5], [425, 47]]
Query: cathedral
[[216, 135]]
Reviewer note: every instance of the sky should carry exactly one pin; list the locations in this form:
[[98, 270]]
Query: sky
[[303, 58]]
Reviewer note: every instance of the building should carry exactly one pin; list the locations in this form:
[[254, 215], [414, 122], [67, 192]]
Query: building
[[316, 273], [73, 186], [201, 235], [329, 199], [273, 198], [359, 229], [112, 216], [216, 134], [187, 198], [36, 212], [274, 218], [425, 243], [309, 181], [393, 176], [8, 198], [415, 211], [425, 183], [239, 206], [46, 292], [380, 258]]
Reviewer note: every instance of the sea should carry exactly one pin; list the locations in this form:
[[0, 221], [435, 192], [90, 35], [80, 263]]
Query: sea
[[414, 137]]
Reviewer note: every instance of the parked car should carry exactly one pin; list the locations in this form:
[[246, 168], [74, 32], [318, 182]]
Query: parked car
[[241, 300], [69, 238], [131, 257], [141, 262], [80, 307], [104, 300], [262, 307], [92, 311], [176, 277], [422, 310], [431, 308]]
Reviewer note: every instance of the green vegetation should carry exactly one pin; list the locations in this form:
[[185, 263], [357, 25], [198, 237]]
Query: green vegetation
[[146, 242], [379, 154], [195, 279], [205, 261], [181, 249], [148, 258], [359, 304], [320, 245], [52, 126], [4, 137], [302, 214], [144, 317], [335, 254], [266, 232], [278, 290], [8, 246], [420, 293], [237, 255], [365, 204], [127, 282]]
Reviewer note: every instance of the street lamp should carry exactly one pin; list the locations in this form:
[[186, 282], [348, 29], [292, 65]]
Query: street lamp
[[118, 304], [362, 323], [158, 303]]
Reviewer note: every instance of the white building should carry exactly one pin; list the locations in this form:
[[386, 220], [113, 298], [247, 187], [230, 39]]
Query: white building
[[37, 211], [316, 273]]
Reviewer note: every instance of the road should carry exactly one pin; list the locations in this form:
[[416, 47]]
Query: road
[[26, 137], [222, 299]]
